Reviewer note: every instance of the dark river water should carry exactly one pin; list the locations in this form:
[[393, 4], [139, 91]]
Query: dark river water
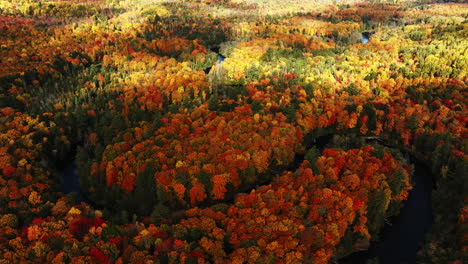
[[70, 182], [220, 58], [401, 239]]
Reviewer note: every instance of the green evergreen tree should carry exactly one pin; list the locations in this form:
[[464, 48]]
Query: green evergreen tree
[[145, 191], [312, 155]]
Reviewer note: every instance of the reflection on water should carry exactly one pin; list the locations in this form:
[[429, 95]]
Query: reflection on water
[[220, 58], [364, 40], [365, 36]]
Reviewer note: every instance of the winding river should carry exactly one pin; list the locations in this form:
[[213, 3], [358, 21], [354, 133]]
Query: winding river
[[405, 234], [400, 238]]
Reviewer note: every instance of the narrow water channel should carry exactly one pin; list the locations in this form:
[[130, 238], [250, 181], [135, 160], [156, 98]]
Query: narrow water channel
[[364, 39], [365, 36], [70, 182], [220, 60]]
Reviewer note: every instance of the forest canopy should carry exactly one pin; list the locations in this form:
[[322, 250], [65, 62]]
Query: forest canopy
[[228, 131]]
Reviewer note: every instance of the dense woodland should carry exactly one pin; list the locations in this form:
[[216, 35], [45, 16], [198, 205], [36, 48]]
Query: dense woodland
[[195, 128]]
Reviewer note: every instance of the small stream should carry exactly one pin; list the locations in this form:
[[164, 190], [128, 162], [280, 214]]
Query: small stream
[[365, 36], [364, 40], [220, 59]]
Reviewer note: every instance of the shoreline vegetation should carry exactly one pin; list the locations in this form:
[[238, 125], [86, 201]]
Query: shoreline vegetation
[[229, 131]]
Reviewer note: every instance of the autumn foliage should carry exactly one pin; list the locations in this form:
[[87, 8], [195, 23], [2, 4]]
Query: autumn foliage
[[196, 127]]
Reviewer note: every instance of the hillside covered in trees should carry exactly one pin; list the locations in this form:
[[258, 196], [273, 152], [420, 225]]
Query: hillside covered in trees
[[229, 131]]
